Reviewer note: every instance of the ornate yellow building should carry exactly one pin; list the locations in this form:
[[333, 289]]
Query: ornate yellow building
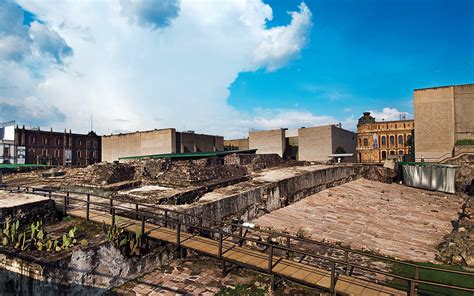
[[377, 141]]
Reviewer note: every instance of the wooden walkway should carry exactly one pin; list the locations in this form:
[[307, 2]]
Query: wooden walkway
[[246, 257]]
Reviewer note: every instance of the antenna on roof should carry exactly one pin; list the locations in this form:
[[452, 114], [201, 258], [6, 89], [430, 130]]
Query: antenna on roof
[[91, 124]]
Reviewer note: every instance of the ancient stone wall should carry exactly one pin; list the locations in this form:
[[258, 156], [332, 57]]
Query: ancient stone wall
[[43, 210]]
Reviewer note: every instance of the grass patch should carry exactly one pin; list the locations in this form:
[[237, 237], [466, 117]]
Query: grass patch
[[246, 290], [434, 276]]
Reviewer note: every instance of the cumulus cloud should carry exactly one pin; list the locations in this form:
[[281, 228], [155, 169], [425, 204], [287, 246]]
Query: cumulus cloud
[[177, 76], [49, 43], [389, 114], [30, 110], [150, 14], [280, 44]]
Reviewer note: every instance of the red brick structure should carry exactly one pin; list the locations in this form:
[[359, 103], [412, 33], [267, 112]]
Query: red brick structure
[[58, 148]]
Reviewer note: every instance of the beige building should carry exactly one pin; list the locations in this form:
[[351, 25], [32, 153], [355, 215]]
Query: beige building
[[236, 144], [311, 144], [320, 142], [268, 142], [162, 141], [444, 117]]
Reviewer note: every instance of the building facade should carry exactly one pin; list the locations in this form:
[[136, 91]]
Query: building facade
[[379, 140], [444, 119], [320, 143], [268, 142], [57, 148], [236, 144], [159, 141]]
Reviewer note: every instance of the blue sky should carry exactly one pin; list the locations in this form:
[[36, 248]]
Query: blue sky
[[224, 67], [366, 55]]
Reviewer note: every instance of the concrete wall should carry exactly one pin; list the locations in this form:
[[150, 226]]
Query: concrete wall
[[139, 143], [236, 144], [464, 111], [345, 139], [266, 142], [434, 117], [443, 115], [190, 142], [315, 143]]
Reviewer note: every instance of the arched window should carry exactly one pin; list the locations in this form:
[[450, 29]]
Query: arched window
[[384, 155], [392, 152], [366, 142], [392, 141], [400, 152], [360, 142], [400, 140], [384, 141]]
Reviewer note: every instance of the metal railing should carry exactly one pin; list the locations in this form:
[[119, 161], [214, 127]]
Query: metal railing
[[150, 214]]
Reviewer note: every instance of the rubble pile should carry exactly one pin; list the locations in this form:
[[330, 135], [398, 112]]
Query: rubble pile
[[465, 174], [379, 173], [190, 172], [458, 247], [254, 162], [105, 173]]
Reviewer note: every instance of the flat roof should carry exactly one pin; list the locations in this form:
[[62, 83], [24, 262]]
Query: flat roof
[[443, 86], [190, 155]]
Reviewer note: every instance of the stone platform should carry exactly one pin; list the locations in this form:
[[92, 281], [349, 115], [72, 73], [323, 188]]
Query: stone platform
[[390, 219]]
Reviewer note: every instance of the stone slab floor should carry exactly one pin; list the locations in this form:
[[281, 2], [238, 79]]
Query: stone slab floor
[[391, 219]]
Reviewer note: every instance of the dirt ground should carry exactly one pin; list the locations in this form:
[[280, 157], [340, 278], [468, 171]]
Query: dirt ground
[[390, 219]]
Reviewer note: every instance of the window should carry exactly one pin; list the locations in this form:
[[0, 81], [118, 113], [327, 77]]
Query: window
[[392, 152], [409, 140], [384, 155], [366, 142], [360, 142], [400, 152], [392, 141], [400, 140], [33, 140], [58, 141], [80, 142], [79, 154], [45, 141], [384, 141], [56, 153]]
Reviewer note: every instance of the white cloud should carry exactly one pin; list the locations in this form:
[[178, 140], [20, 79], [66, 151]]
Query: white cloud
[[150, 14], [133, 78], [272, 119], [388, 114], [281, 44]]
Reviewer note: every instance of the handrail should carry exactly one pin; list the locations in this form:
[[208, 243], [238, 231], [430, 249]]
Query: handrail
[[285, 235], [146, 214]]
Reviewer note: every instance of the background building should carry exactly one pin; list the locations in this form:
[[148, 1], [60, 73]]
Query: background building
[[268, 142], [57, 148], [377, 141], [311, 144], [162, 141], [8, 152], [444, 118], [320, 143], [236, 144]]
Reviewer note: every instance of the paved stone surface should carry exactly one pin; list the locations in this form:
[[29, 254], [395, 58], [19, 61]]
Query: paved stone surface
[[391, 219], [181, 278]]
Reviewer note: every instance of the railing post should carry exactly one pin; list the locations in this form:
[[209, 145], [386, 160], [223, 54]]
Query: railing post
[[346, 259], [65, 206], [178, 234], [67, 194], [417, 277], [88, 206], [111, 204], [270, 259], [166, 218], [288, 246], [113, 216], [143, 225], [333, 278], [241, 233], [136, 210], [49, 193], [219, 253], [200, 223]]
